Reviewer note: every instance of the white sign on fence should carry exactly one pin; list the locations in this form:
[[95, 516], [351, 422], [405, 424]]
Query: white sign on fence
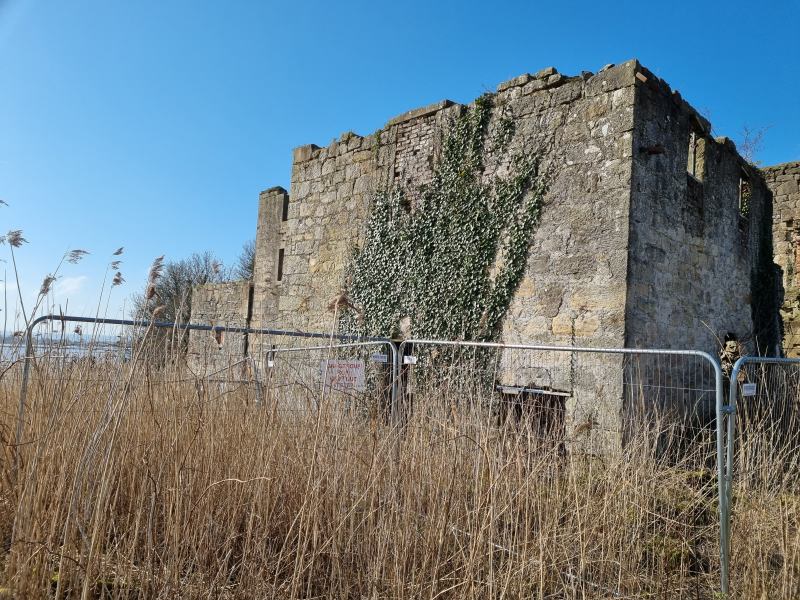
[[749, 389], [343, 375]]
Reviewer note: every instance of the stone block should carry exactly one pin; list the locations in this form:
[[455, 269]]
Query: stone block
[[546, 72], [562, 325], [304, 153]]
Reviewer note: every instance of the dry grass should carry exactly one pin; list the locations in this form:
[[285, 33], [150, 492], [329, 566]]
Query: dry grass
[[138, 483]]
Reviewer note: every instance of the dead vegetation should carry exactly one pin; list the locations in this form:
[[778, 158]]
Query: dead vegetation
[[136, 482]]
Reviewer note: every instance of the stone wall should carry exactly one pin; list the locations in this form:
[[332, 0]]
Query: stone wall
[[694, 256], [269, 260], [573, 291], [784, 181], [631, 249], [331, 192], [225, 304], [586, 121]]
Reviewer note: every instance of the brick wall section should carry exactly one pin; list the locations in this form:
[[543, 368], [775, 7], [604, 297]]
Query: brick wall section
[[225, 304], [417, 135], [784, 181]]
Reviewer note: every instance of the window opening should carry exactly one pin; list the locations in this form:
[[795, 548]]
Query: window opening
[[280, 265], [285, 213]]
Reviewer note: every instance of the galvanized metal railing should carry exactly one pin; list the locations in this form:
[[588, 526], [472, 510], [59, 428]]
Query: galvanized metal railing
[[725, 411], [29, 345], [721, 409], [728, 415]]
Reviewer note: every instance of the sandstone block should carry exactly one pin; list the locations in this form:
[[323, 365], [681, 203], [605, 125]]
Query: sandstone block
[[304, 153], [562, 325]]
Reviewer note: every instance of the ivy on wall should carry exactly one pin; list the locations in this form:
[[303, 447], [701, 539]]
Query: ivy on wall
[[449, 265]]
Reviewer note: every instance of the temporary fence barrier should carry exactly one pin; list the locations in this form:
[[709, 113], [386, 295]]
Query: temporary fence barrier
[[358, 375], [575, 393], [182, 328], [649, 380], [769, 389]]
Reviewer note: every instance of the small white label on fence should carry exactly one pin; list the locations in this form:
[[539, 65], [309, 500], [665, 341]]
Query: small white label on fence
[[409, 360], [344, 375], [379, 358], [749, 389]]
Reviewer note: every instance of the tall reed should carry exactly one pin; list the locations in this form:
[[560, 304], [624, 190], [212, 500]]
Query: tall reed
[[138, 481]]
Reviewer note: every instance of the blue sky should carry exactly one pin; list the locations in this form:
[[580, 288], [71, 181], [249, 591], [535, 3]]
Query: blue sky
[[153, 125]]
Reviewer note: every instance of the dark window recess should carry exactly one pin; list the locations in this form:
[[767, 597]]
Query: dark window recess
[[285, 213], [280, 265], [249, 317], [543, 410]]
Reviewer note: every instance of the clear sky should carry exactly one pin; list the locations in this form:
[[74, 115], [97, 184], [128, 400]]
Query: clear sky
[[153, 125]]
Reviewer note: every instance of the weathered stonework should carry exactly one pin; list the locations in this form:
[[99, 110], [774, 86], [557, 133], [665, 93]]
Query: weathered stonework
[[633, 248], [784, 181], [267, 289], [226, 305]]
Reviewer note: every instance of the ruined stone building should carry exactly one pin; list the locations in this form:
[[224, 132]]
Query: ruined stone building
[[784, 182], [652, 233]]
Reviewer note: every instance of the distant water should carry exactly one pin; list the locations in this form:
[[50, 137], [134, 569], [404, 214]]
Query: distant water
[[106, 346]]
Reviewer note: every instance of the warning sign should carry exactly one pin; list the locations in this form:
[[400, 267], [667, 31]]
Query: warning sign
[[749, 389], [343, 375]]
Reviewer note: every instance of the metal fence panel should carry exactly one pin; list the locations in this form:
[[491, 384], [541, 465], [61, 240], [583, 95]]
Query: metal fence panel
[[761, 389], [355, 377], [588, 399], [90, 340], [600, 393]]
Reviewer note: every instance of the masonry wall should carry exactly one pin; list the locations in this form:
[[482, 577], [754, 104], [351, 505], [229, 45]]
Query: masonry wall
[[784, 182], [694, 256], [330, 198], [225, 304], [586, 121], [269, 265], [631, 249], [573, 291]]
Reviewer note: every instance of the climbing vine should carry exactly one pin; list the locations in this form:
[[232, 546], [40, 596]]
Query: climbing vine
[[449, 263]]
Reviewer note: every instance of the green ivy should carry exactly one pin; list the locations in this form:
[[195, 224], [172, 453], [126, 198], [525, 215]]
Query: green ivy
[[452, 262]]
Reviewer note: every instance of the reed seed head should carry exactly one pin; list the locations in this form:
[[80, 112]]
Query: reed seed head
[[75, 256], [14, 238]]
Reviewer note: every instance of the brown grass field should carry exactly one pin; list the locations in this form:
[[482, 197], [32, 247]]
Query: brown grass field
[[136, 482]]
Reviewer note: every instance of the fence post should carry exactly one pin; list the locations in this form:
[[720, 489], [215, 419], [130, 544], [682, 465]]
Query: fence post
[[23, 392], [723, 414], [257, 376], [395, 384]]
